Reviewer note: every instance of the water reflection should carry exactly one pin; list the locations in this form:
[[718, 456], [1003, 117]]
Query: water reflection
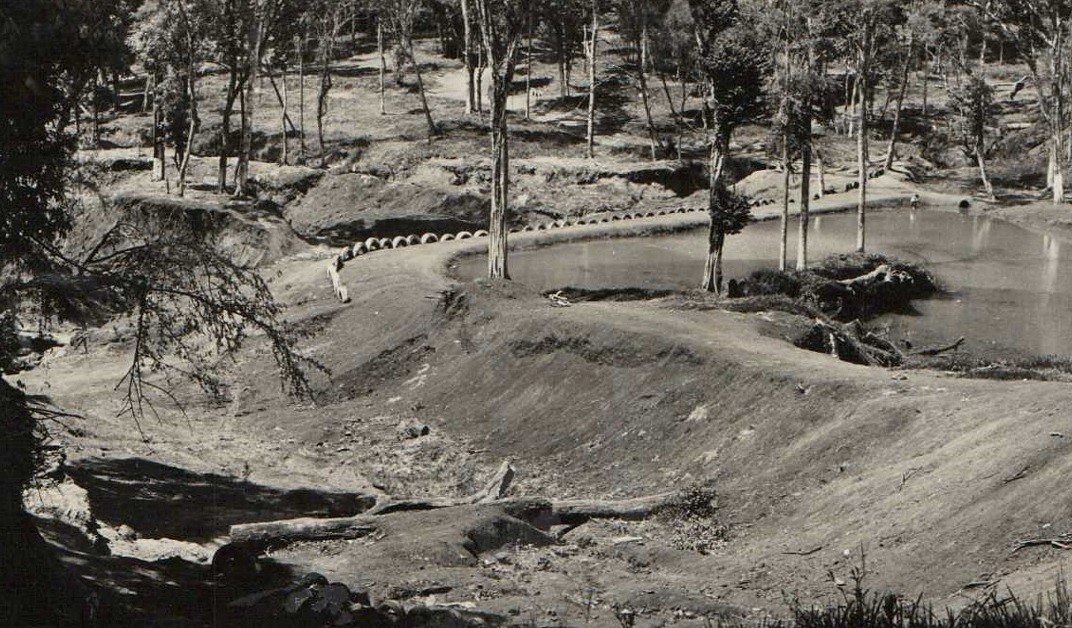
[[1006, 288]]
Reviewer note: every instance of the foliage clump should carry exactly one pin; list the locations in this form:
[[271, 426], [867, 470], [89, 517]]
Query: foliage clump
[[693, 519]]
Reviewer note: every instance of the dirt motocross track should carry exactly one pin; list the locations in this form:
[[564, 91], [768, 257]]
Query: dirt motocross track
[[815, 461]]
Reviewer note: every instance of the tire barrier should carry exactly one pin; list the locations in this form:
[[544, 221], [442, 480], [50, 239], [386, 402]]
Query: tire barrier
[[340, 291], [372, 244]]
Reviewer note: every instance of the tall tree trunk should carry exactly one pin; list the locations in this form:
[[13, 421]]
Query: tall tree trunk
[[716, 236], [191, 133], [861, 159], [821, 165], [643, 80], [299, 43], [383, 64], [481, 63], [256, 38], [467, 43], [159, 158], [783, 243], [979, 159], [500, 180], [591, 137], [528, 70], [225, 127], [284, 157], [432, 131], [926, 82], [805, 200], [891, 149]]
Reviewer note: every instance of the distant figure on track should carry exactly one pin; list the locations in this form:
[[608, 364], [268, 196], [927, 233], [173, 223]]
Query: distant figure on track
[[1016, 87]]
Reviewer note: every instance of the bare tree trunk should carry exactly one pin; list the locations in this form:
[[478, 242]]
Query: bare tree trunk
[[432, 131], [500, 182], [159, 158], [480, 65], [891, 149], [926, 82], [862, 159], [982, 171], [299, 43], [467, 42], [822, 172], [528, 70], [642, 76], [590, 142], [284, 157], [191, 133], [225, 127], [256, 38], [383, 62], [783, 242], [716, 237], [805, 200]]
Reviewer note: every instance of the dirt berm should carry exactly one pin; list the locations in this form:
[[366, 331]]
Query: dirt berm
[[935, 478]]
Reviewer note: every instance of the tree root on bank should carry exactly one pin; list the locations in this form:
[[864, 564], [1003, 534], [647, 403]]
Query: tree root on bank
[[540, 513]]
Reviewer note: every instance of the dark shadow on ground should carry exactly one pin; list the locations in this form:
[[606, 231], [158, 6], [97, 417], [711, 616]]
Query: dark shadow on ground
[[158, 500], [131, 592]]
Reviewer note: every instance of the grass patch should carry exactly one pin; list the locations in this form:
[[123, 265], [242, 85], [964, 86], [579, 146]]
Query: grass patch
[[1038, 368]]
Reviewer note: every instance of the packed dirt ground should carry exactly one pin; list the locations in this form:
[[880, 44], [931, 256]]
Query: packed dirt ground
[[434, 382]]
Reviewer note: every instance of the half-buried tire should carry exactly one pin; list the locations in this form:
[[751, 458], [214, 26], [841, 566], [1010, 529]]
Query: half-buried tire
[[463, 235], [480, 233], [399, 242], [447, 237], [372, 244], [429, 238]]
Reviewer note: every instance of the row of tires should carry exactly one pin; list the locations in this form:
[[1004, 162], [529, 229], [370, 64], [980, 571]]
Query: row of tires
[[379, 244]]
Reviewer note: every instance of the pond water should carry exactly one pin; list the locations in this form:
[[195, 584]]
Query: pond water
[[1008, 290]]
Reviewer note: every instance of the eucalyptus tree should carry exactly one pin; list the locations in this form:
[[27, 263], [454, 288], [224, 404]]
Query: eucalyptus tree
[[502, 23], [733, 67], [259, 32], [806, 34], [1039, 30], [170, 42], [674, 54], [636, 20], [563, 27], [399, 16], [972, 106]]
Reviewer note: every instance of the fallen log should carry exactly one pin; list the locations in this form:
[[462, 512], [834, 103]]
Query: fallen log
[[942, 349], [574, 511], [304, 529], [540, 513]]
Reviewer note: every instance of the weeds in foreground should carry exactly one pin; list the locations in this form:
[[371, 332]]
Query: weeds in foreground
[[860, 607]]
